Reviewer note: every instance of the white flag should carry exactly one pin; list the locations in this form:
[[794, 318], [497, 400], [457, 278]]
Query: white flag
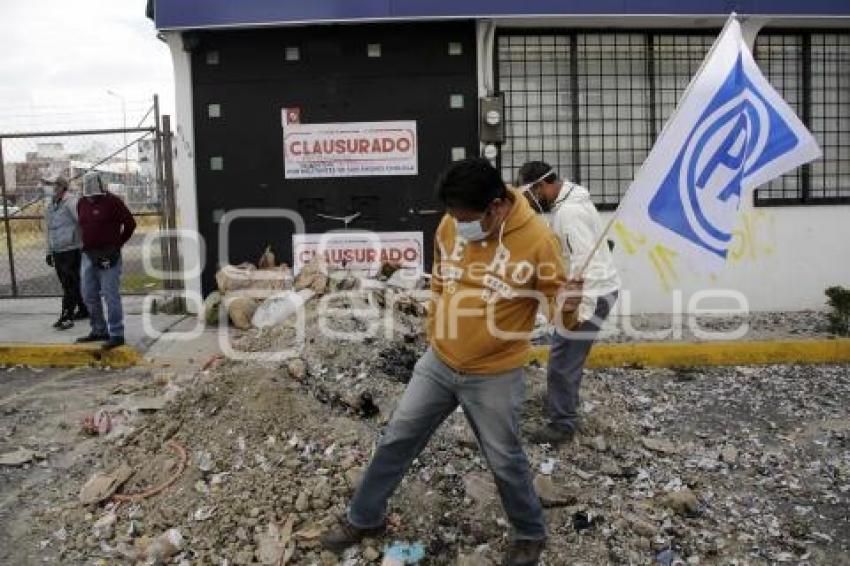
[[730, 133]]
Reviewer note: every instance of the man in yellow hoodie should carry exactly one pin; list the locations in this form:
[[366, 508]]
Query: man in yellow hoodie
[[495, 265]]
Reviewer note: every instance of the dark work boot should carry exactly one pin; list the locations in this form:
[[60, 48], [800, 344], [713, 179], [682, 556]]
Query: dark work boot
[[524, 552], [345, 534], [553, 435], [92, 337], [113, 342]]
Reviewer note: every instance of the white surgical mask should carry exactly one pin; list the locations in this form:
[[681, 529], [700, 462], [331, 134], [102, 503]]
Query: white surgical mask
[[527, 188], [471, 231]]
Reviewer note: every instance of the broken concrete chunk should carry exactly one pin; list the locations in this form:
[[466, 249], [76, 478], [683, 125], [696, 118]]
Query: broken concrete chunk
[[660, 445], [729, 454], [313, 276], [101, 486], [18, 457], [552, 495], [104, 528], [683, 502], [241, 309]]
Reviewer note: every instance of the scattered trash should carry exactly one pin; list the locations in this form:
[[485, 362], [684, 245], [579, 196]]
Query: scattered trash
[[584, 520], [278, 307], [547, 466], [97, 424], [400, 553]]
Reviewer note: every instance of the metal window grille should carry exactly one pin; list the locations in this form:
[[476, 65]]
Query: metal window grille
[[830, 116], [592, 103]]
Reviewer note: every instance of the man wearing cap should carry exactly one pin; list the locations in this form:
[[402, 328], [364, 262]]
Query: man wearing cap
[[578, 226], [63, 250], [106, 225]]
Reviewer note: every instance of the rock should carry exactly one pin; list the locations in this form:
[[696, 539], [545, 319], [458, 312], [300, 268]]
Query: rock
[[17, 457], [480, 488], [303, 502], [641, 526], [101, 486], [660, 445], [370, 554], [104, 528], [274, 544], [552, 495], [165, 546], [683, 502], [313, 276], [241, 309], [297, 369], [729, 454]]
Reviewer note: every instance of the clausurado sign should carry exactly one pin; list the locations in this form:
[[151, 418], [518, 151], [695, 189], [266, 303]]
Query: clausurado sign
[[360, 251], [353, 149]]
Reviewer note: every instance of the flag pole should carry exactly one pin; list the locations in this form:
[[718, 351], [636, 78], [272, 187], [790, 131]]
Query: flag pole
[[580, 273]]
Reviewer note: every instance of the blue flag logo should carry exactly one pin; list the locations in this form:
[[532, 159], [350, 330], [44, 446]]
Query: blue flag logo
[[737, 134]]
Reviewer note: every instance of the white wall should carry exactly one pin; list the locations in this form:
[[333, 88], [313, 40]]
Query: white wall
[[782, 259], [184, 164]]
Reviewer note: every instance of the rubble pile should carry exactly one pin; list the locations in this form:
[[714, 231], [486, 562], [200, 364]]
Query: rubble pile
[[700, 466]]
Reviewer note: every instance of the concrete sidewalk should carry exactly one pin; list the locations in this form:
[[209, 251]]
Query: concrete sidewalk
[[27, 337]]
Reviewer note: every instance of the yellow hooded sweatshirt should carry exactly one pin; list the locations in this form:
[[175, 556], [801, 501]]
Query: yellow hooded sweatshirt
[[487, 293]]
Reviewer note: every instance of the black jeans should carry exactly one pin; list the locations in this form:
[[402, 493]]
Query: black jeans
[[67, 266]]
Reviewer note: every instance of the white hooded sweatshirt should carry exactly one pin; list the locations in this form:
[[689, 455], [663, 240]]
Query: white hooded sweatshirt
[[578, 225]]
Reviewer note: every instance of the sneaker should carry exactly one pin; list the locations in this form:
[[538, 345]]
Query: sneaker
[[63, 324], [113, 342], [59, 321], [553, 435], [524, 552], [346, 534], [92, 337]]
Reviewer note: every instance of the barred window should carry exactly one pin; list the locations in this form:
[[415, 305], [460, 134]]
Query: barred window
[[591, 104], [830, 115]]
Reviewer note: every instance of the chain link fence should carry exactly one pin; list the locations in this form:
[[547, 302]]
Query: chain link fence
[[129, 163]]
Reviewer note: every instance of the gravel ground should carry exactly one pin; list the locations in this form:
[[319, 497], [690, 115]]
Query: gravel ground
[[736, 465]]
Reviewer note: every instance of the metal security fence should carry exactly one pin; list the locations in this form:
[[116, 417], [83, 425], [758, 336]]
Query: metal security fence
[[592, 103], [128, 161]]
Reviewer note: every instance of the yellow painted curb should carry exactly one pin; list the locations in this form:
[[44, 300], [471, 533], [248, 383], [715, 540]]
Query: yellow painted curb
[[66, 355], [671, 354]]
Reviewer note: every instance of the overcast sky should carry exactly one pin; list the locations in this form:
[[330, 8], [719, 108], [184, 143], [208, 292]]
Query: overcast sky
[[58, 58]]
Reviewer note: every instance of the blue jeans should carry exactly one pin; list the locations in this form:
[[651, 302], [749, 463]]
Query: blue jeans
[[99, 286], [491, 404], [566, 364]]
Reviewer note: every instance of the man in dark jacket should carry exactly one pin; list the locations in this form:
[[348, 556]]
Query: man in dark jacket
[[63, 251], [105, 225]]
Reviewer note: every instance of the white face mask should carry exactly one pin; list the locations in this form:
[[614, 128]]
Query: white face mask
[[527, 189], [471, 231]]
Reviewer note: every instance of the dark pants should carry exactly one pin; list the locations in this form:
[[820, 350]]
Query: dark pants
[[566, 364], [491, 404], [67, 265]]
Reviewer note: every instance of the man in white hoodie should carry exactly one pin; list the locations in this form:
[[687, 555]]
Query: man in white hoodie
[[577, 224]]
